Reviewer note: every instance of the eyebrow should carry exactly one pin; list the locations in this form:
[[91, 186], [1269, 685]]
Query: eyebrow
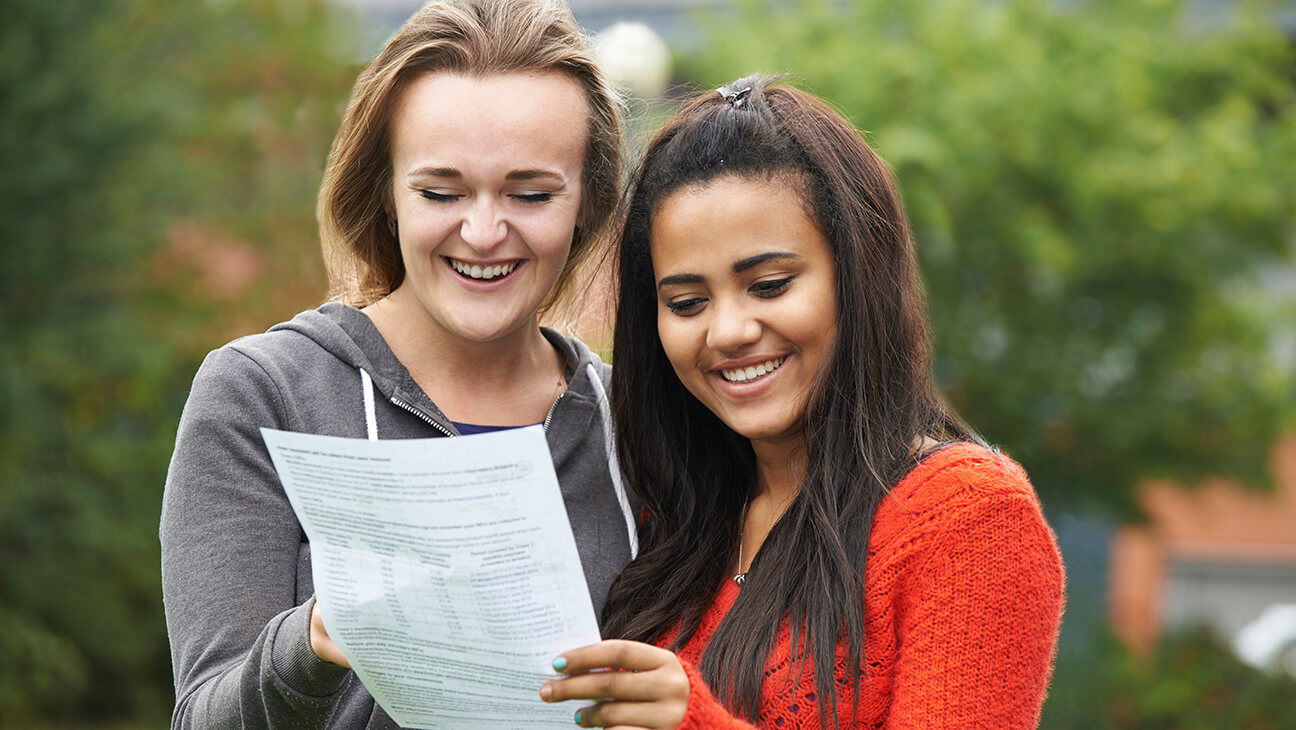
[[738, 267], [757, 260], [679, 279], [534, 174], [449, 172], [454, 174]]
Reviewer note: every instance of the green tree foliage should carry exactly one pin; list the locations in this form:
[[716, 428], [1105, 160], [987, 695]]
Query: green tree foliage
[[1191, 682], [156, 160], [1096, 188]]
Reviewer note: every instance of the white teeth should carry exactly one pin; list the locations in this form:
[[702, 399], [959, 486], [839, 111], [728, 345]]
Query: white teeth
[[476, 271], [743, 375]]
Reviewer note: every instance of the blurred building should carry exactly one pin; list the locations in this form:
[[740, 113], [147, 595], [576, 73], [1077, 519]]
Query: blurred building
[[1218, 555]]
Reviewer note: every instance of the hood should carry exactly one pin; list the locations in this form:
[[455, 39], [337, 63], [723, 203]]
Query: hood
[[350, 336]]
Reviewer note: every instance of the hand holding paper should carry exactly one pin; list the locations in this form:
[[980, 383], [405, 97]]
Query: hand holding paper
[[446, 568]]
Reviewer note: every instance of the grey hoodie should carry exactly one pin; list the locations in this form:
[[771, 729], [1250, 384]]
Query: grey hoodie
[[236, 570]]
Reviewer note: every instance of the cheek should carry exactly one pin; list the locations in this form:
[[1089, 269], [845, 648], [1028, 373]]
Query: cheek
[[674, 342], [424, 227], [551, 239], [814, 320], [683, 341]]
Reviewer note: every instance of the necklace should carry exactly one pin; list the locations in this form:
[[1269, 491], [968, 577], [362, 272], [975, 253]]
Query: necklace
[[742, 530]]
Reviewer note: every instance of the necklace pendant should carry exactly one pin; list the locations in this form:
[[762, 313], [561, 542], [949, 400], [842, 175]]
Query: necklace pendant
[[740, 578]]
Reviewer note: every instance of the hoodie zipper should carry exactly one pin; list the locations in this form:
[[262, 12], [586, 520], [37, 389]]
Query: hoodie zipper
[[425, 417], [428, 419], [549, 415]]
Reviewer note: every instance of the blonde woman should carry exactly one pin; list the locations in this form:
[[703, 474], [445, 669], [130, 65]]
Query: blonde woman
[[475, 169]]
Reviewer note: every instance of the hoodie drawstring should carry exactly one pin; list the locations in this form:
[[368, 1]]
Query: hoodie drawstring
[[614, 465], [609, 444], [371, 418]]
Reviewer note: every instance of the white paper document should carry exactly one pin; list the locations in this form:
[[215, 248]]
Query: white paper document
[[445, 569]]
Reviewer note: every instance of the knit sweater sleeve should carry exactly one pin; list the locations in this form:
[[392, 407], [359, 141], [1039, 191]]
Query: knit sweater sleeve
[[704, 711], [240, 642], [978, 616]]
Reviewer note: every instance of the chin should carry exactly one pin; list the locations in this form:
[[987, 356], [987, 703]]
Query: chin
[[762, 430], [485, 334], [481, 328]]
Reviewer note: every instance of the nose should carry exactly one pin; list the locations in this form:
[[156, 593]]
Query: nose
[[483, 227], [732, 327]]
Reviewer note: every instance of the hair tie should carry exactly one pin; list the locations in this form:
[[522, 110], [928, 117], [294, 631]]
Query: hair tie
[[736, 98]]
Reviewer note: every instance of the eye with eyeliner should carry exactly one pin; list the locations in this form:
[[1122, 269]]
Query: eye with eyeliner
[[685, 307], [438, 197], [770, 288]]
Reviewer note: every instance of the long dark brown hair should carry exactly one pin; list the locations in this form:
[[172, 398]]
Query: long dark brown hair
[[873, 401]]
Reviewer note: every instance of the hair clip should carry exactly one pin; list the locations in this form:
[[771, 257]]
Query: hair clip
[[736, 98]]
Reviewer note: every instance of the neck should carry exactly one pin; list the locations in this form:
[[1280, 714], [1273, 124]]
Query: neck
[[780, 469], [508, 380]]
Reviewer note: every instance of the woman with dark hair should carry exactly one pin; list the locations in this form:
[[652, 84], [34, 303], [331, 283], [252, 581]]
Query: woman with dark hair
[[823, 544]]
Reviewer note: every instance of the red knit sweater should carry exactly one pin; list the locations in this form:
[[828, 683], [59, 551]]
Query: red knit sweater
[[963, 600]]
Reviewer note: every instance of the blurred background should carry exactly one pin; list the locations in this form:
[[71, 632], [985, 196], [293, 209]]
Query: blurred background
[[1103, 194]]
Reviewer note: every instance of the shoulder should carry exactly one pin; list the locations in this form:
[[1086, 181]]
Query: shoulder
[[956, 486], [288, 341], [579, 357], [311, 341], [962, 472], [233, 384], [967, 511], [260, 368]]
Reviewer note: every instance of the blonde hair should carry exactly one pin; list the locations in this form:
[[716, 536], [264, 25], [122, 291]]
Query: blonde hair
[[475, 37]]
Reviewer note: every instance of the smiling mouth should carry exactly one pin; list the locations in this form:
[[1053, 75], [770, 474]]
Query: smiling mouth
[[483, 273], [752, 372]]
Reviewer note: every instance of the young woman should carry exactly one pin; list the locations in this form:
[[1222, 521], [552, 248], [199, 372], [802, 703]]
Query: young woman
[[476, 167], [824, 544]]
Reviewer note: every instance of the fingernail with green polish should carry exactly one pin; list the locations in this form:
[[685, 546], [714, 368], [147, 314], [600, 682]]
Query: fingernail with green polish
[[578, 712], [559, 664]]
